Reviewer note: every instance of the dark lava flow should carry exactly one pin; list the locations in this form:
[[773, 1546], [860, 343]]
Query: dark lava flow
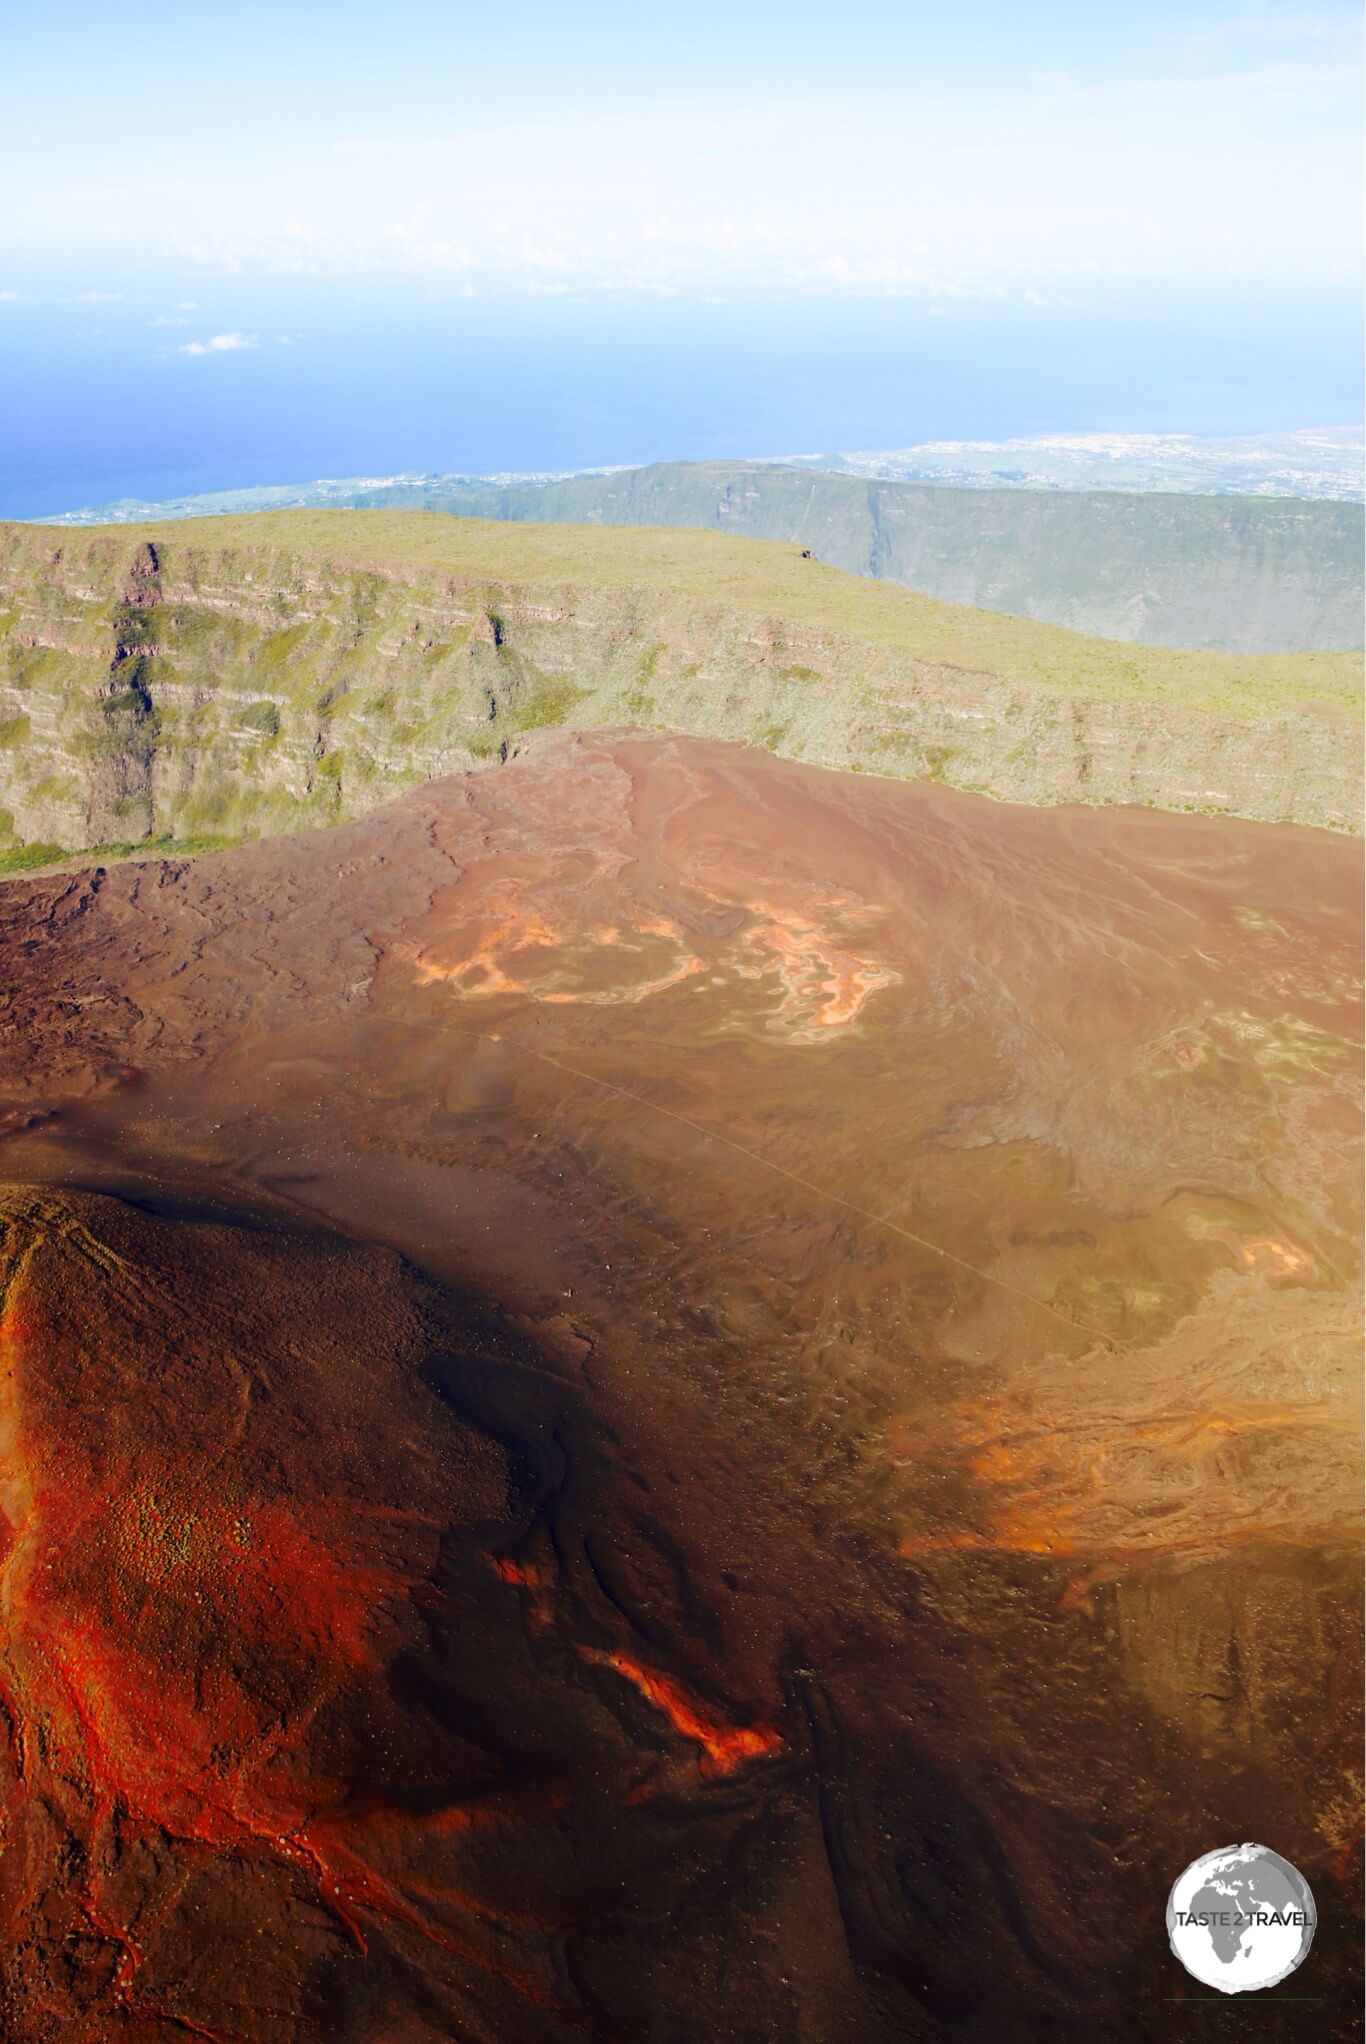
[[663, 1396]]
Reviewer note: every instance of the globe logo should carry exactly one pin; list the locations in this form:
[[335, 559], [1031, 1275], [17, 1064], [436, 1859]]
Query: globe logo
[[1241, 1918]]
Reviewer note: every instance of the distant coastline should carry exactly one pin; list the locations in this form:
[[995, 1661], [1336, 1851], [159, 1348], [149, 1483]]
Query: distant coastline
[[1326, 462]]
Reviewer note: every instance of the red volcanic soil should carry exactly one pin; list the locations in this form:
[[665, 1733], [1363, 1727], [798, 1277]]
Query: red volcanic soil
[[659, 1395]]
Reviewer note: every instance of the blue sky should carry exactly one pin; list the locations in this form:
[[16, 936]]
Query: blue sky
[[203, 189], [764, 144]]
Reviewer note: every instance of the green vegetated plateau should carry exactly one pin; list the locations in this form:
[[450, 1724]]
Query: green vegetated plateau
[[192, 684], [1237, 574]]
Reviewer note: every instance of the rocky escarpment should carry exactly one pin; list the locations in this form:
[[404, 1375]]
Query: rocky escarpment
[[1236, 573], [1244, 574], [216, 680], [124, 727]]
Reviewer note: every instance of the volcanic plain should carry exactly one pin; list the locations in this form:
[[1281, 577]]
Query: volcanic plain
[[659, 1394]]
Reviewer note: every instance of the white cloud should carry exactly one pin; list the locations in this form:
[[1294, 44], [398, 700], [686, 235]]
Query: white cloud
[[221, 344], [11, 297], [102, 298]]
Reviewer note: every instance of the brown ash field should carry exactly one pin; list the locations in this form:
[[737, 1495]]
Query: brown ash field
[[660, 1395]]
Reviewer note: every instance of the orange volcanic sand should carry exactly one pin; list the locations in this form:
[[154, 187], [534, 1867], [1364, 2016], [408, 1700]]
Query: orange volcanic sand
[[724, 1747], [186, 1625]]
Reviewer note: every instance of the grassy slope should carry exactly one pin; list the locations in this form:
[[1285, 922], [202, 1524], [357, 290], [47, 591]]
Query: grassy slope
[[1245, 573], [770, 579]]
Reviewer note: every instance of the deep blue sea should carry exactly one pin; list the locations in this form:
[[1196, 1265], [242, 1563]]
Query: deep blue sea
[[98, 401]]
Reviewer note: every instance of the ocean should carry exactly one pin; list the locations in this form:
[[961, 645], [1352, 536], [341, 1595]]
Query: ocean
[[100, 400]]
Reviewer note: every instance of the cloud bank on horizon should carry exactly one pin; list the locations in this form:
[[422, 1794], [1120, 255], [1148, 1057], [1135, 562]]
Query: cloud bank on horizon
[[881, 148]]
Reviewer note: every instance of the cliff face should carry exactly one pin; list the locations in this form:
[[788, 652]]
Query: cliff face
[[1241, 574], [182, 687]]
